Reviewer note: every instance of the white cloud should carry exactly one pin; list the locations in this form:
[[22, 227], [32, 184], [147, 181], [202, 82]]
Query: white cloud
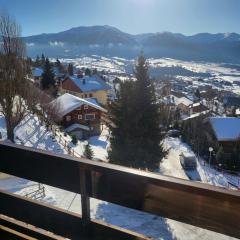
[[30, 44], [94, 45], [55, 44]]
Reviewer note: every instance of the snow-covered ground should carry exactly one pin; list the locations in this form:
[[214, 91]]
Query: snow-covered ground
[[98, 144], [107, 64], [211, 71], [31, 133], [219, 71]]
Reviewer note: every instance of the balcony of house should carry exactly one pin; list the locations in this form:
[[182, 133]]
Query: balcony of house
[[205, 206]]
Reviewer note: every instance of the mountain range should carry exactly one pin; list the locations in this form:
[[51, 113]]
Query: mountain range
[[110, 41]]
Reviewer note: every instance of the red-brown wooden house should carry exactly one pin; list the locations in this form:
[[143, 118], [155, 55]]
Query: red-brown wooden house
[[81, 117]]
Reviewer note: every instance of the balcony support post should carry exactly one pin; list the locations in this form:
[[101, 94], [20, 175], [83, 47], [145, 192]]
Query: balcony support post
[[85, 185]]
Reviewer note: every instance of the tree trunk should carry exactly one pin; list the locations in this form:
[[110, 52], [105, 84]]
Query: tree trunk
[[10, 133]]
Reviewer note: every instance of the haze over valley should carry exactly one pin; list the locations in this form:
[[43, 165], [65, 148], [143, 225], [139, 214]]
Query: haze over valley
[[110, 41]]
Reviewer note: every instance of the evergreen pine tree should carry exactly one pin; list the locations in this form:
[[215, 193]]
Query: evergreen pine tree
[[88, 152], [88, 72], [47, 76], [121, 112], [95, 71], [135, 134], [198, 94], [57, 63], [59, 66], [37, 61], [70, 69], [43, 60], [147, 118]]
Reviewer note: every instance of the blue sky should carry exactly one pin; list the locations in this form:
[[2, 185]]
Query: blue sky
[[132, 16]]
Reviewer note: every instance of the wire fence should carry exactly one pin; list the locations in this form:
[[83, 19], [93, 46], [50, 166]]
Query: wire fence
[[62, 140]]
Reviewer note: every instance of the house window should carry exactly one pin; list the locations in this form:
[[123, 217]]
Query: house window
[[90, 116], [68, 118], [90, 95], [85, 107], [79, 116]]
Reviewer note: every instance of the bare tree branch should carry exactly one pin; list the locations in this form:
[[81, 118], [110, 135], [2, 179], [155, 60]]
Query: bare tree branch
[[13, 84]]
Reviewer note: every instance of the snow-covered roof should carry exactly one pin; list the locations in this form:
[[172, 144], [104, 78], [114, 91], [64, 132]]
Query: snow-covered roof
[[37, 72], [196, 104], [184, 101], [67, 103], [196, 115], [172, 99], [90, 83], [76, 126], [92, 100], [226, 128]]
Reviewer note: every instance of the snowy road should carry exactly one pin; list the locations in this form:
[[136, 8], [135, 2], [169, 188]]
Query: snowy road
[[171, 164]]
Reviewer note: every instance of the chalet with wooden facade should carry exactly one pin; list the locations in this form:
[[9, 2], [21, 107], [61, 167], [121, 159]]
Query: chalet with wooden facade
[[225, 131], [183, 104], [86, 87], [81, 117], [197, 108]]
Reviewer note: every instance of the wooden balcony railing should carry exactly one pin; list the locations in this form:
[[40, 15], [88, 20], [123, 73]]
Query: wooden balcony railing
[[198, 204]]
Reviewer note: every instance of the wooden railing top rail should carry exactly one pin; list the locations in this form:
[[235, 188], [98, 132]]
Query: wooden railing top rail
[[201, 205]]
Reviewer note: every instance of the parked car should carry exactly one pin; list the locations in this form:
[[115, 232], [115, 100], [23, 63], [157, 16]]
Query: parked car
[[188, 161], [173, 133]]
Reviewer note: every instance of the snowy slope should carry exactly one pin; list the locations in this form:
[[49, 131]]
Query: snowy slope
[[30, 133]]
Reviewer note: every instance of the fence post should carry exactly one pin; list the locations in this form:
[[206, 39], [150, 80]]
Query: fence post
[[85, 187]]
